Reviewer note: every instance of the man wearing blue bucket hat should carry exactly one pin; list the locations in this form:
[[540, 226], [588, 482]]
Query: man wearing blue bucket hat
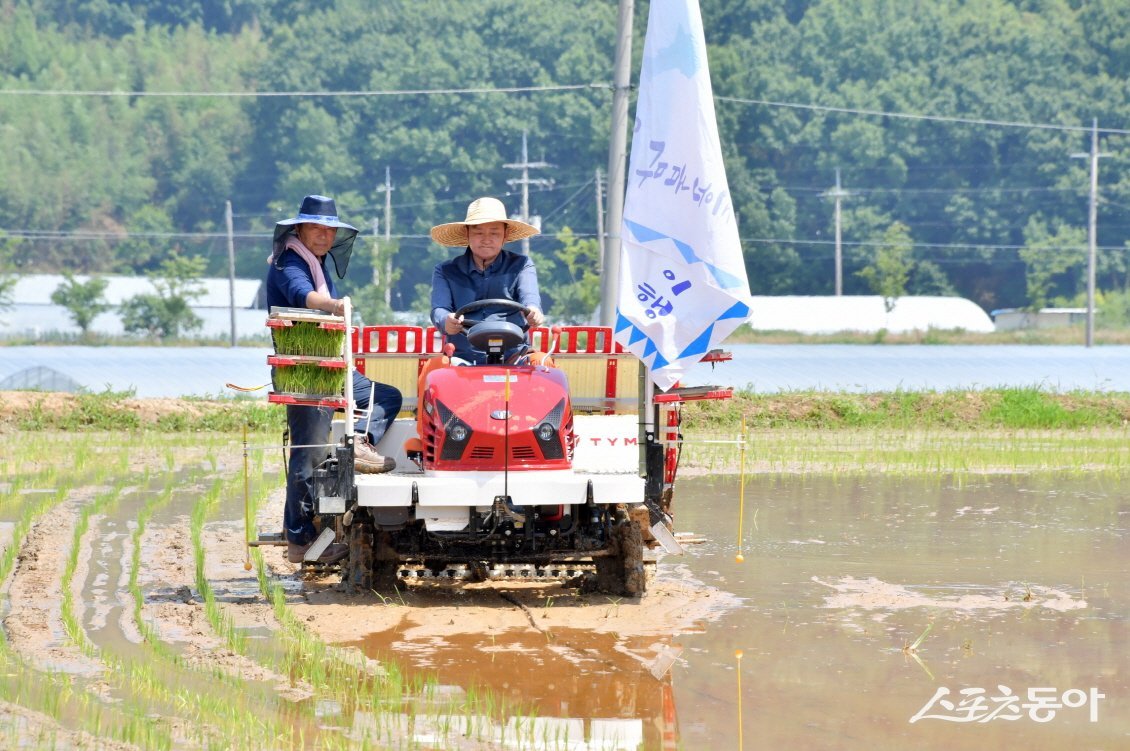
[[298, 278]]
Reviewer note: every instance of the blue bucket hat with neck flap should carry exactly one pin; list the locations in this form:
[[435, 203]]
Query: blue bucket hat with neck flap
[[320, 210]]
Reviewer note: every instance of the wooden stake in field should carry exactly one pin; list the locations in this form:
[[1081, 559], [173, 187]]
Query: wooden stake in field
[[246, 508]]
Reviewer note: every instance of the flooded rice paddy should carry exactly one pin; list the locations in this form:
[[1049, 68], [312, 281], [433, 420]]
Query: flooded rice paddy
[[874, 612], [1016, 586]]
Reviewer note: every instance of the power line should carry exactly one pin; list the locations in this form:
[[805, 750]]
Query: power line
[[914, 116], [321, 93], [567, 201], [818, 192], [124, 236], [943, 246], [550, 89]]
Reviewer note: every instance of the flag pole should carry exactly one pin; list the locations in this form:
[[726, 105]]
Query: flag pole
[[617, 164], [681, 286]]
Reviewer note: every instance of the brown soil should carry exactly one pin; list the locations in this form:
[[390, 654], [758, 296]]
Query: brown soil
[[425, 612], [17, 404]]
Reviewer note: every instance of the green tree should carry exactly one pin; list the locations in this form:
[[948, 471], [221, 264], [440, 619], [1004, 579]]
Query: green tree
[[889, 273], [372, 300], [575, 293], [167, 313], [1054, 259], [83, 300], [7, 284], [422, 301]]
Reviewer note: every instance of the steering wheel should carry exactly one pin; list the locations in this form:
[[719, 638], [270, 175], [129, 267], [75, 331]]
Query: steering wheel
[[490, 302], [493, 337]]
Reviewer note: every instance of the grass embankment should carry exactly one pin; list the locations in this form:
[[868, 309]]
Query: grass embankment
[[993, 430]]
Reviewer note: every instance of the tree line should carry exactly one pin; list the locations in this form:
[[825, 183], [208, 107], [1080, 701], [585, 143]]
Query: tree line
[[952, 124]]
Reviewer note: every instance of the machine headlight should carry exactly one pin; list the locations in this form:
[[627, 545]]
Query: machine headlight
[[458, 433], [546, 433]]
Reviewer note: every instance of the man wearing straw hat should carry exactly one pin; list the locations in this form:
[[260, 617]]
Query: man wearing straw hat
[[298, 278], [484, 271]]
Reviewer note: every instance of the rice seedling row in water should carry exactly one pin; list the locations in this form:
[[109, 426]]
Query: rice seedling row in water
[[308, 338], [219, 621], [51, 693], [319, 665], [71, 624], [382, 699], [917, 452], [228, 714], [218, 720], [148, 635], [381, 696], [332, 672]]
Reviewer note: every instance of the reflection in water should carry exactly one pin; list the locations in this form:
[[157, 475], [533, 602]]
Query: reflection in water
[[864, 604], [567, 689]]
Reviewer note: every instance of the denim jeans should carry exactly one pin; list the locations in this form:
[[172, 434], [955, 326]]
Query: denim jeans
[[310, 426]]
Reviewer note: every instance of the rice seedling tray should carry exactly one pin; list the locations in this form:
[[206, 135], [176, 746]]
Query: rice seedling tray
[[283, 323], [318, 360], [283, 317], [306, 400]]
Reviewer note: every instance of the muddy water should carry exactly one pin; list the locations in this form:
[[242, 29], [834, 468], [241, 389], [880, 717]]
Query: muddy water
[[1018, 585], [1022, 583]]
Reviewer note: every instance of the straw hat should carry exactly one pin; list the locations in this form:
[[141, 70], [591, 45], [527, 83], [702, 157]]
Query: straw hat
[[481, 211]]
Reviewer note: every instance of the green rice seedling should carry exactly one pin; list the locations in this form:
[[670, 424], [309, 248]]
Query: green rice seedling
[[219, 621], [310, 339], [51, 693], [917, 642], [309, 379], [146, 630], [71, 625]]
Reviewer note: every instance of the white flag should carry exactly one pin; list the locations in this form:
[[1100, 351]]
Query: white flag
[[683, 285]]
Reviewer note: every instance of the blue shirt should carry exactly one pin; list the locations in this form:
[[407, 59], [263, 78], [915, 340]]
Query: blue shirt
[[459, 282], [289, 281]]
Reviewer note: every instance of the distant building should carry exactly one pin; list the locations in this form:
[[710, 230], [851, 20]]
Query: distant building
[[33, 315], [1010, 319], [865, 313]]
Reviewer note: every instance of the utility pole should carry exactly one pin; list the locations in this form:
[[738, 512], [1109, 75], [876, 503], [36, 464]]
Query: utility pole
[[526, 182], [837, 194], [387, 190], [231, 267], [1092, 227], [599, 221], [376, 255], [617, 163]]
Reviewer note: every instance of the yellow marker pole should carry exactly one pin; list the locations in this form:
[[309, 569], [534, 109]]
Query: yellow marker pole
[[246, 507], [741, 493], [741, 741], [506, 435]]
